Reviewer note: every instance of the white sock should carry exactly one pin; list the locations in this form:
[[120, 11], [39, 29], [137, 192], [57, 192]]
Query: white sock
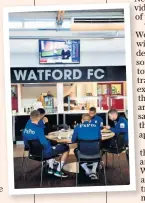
[[94, 168], [51, 162], [60, 165], [87, 170]]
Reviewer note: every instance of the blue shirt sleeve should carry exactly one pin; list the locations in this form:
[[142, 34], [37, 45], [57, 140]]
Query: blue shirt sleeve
[[25, 142], [75, 135], [41, 124], [42, 138], [101, 123], [99, 132], [121, 127]]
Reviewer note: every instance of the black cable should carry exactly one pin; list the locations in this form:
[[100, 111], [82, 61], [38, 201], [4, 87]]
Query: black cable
[[106, 197], [34, 2]]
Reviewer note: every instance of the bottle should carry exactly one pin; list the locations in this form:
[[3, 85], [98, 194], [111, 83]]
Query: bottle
[[75, 123], [28, 110]]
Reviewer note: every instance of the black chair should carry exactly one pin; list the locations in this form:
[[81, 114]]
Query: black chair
[[24, 158], [36, 153], [24, 162], [127, 153], [89, 151], [117, 147]]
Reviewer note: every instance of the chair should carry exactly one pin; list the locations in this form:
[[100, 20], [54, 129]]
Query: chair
[[117, 148], [89, 151], [127, 154], [36, 153], [24, 161]]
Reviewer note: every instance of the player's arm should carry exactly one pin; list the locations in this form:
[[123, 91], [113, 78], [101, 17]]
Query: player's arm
[[42, 138], [75, 135], [121, 127], [101, 123], [25, 142]]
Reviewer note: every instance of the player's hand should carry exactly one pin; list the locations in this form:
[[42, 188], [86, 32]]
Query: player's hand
[[108, 127], [45, 120]]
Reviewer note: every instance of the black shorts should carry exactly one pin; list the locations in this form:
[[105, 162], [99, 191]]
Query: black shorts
[[57, 150]]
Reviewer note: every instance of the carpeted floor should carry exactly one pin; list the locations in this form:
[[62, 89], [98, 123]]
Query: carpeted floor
[[33, 177]]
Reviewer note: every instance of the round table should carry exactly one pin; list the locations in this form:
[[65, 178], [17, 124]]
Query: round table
[[63, 136]]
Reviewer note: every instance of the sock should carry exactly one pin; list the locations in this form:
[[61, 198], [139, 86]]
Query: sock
[[60, 165], [94, 168], [51, 162], [87, 170]]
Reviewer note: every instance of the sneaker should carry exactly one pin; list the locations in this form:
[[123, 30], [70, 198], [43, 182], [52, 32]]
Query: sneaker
[[60, 174], [55, 163], [50, 171], [94, 176]]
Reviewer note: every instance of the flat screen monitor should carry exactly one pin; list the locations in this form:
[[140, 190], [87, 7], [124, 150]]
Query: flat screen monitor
[[59, 51]]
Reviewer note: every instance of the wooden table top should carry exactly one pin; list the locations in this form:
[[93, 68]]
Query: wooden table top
[[65, 136]]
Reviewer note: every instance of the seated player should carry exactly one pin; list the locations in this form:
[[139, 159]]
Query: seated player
[[95, 118], [120, 126], [44, 121], [33, 131], [87, 131]]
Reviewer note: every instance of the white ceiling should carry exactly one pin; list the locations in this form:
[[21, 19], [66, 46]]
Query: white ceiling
[[68, 14], [87, 45]]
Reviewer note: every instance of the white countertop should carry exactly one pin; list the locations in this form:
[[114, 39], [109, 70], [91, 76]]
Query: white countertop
[[68, 112]]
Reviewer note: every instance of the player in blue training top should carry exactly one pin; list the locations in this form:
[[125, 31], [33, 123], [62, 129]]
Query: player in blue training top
[[33, 131], [44, 121], [87, 131], [95, 118], [120, 126]]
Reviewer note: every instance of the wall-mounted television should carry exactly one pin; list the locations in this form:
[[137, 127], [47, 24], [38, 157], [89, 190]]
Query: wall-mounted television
[[59, 51]]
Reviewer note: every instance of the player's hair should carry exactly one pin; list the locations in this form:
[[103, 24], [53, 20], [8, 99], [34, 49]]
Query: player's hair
[[92, 109], [86, 117], [34, 114], [41, 111], [111, 111]]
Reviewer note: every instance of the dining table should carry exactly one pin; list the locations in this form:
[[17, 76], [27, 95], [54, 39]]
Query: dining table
[[65, 136]]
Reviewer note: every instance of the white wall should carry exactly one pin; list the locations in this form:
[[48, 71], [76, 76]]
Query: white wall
[[87, 59], [94, 52], [30, 95]]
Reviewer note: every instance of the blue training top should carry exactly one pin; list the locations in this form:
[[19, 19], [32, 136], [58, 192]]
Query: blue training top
[[121, 126], [97, 120], [40, 123], [86, 131], [36, 132]]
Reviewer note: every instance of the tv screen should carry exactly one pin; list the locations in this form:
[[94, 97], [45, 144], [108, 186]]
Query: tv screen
[[59, 51]]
